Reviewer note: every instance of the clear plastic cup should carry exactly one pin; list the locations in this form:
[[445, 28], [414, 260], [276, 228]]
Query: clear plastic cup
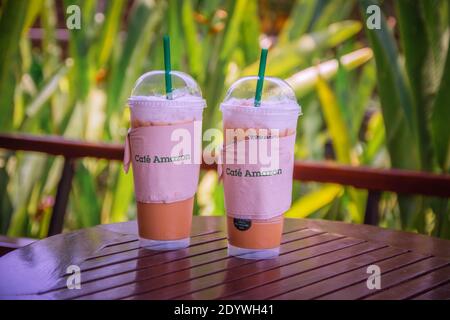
[[256, 199], [164, 185]]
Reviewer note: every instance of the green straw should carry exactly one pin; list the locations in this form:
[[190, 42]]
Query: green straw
[[167, 67], [262, 70]]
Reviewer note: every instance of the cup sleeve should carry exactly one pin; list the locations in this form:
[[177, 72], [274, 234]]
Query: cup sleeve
[[256, 190]]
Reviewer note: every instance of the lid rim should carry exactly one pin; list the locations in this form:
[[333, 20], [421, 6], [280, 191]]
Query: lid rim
[[264, 108], [197, 103]]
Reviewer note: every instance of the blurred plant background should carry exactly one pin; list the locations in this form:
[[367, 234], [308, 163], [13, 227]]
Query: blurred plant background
[[370, 97]]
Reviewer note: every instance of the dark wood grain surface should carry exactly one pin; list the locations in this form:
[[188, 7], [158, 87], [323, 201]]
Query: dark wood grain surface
[[318, 260]]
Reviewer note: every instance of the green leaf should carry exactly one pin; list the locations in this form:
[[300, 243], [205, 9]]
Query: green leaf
[[395, 97], [176, 38], [6, 208], [314, 201], [412, 31], [38, 102], [386, 53], [29, 170], [84, 198], [219, 57], [82, 73], [13, 21], [361, 96], [110, 30], [298, 22], [123, 195], [337, 128], [143, 22], [249, 28], [375, 137], [285, 59], [305, 81], [333, 11], [193, 49], [398, 113], [440, 120]]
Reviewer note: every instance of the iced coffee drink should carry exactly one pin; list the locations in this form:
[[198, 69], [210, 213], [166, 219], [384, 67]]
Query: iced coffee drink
[[164, 149], [257, 165]]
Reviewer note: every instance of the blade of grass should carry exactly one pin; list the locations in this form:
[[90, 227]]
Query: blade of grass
[[175, 33], [250, 27], [195, 56], [143, 22], [29, 170], [361, 96], [333, 11], [284, 59], [337, 128], [314, 201], [440, 120], [12, 25], [305, 81], [395, 97], [110, 31], [219, 57], [298, 21], [42, 98], [409, 14], [84, 198], [397, 107], [123, 195]]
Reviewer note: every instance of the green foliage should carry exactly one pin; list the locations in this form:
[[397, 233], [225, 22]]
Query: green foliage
[[320, 51], [413, 92]]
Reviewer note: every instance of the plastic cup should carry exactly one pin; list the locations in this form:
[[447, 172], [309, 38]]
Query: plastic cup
[[256, 200], [165, 184]]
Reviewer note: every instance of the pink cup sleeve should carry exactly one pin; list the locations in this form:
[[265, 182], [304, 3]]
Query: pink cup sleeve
[[252, 191], [162, 171]]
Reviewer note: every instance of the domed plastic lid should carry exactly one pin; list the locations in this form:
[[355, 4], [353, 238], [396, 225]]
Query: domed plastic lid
[[150, 88], [277, 97]]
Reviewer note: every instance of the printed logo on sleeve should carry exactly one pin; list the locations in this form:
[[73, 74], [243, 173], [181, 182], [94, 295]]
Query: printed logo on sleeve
[[242, 224]]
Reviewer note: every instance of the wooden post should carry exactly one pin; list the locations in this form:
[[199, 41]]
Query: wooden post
[[372, 215], [62, 197]]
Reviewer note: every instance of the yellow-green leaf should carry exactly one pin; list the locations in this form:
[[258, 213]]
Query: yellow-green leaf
[[316, 200], [338, 131]]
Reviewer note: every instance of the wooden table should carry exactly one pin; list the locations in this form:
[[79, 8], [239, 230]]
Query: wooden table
[[319, 260]]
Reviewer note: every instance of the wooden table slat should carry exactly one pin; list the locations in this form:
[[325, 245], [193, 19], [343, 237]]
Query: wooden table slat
[[140, 253], [318, 260], [118, 248], [98, 279], [391, 275], [211, 268], [415, 285], [307, 276], [287, 268], [352, 281], [441, 292], [309, 250]]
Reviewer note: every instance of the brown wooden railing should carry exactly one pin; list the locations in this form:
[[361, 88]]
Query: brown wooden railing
[[374, 180]]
